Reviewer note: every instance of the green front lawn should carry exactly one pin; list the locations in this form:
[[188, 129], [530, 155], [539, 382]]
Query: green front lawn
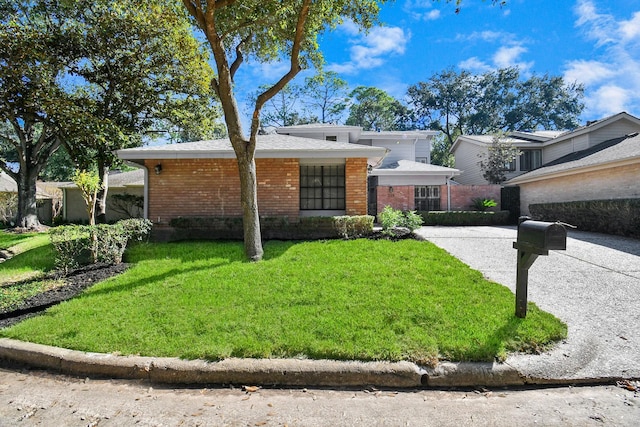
[[360, 299]]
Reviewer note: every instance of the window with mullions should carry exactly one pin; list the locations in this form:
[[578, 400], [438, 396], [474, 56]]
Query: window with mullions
[[530, 160], [427, 197], [322, 187]]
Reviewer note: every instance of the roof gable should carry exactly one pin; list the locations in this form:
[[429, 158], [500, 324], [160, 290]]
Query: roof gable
[[622, 149]]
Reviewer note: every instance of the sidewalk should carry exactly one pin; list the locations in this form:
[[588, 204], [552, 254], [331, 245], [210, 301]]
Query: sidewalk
[[593, 286]]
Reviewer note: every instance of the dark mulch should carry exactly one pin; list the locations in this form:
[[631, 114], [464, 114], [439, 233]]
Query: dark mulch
[[75, 282]]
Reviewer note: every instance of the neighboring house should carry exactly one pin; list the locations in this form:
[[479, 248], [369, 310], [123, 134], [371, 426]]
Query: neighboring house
[[608, 170], [538, 148], [405, 179], [296, 178], [124, 198], [48, 199], [469, 150]]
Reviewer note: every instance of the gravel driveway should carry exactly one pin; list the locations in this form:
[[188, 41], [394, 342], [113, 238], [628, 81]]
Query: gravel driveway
[[593, 286]]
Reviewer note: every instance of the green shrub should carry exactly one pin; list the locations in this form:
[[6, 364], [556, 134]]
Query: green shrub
[[78, 245], [618, 216], [350, 227], [480, 204], [72, 246], [391, 218]]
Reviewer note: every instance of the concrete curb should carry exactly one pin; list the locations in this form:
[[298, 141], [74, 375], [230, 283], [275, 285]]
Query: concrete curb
[[285, 372], [270, 372]]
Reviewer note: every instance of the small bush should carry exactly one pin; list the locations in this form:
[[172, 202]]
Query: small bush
[[391, 218], [72, 246], [351, 227], [480, 204], [8, 208]]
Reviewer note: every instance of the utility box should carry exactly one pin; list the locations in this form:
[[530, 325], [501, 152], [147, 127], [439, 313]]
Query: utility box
[[540, 237]]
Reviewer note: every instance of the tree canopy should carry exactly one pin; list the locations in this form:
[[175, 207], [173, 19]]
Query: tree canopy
[[375, 109], [94, 76], [458, 102]]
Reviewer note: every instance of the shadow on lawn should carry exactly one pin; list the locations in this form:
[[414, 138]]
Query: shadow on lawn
[[198, 250], [40, 259]]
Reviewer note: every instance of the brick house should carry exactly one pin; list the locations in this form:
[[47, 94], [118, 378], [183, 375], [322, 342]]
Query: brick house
[[296, 178]]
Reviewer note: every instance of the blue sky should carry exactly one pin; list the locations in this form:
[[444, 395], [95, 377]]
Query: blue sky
[[593, 42]]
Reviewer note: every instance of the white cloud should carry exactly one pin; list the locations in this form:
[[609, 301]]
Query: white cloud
[[371, 50], [475, 64], [508, 56], [610, 77], [421, 10], [630, 29], [486, 36], [587, 72], [608, 100]]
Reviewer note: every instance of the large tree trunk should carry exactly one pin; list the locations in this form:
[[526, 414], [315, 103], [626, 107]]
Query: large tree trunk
[[250, 217], [101, 200], [27, 208]]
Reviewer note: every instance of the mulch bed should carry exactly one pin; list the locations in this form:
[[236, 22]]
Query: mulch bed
[[75, 282]]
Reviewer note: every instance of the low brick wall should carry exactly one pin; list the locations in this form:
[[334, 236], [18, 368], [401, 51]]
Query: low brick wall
[[462, 196]]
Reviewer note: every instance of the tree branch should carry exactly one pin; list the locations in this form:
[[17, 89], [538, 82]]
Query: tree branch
[[293, 70], [239, 57]]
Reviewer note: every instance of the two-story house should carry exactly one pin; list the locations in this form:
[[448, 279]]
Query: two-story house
[[405, 179]]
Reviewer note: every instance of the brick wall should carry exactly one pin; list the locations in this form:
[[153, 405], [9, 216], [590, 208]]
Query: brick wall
[[211, 187], [461, 196], [400, 197], [356, 186]]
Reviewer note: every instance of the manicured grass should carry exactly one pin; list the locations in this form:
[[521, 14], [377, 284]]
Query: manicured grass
[[34, 255], [361, 299]]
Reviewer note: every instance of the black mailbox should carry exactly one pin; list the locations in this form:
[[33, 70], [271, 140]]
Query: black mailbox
[[534, 238], [539, 237]]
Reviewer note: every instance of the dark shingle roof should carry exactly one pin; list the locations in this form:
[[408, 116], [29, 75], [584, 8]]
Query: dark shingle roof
[[610, 151]]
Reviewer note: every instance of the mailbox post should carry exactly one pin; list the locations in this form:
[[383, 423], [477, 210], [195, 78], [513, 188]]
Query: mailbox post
[[534, 238]]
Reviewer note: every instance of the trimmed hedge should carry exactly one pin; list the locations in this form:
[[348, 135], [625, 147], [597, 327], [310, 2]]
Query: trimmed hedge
[[78, 245], [619, 216], [302, 228], [465, 218]]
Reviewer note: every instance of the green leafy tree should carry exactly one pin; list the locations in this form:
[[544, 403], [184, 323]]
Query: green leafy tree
[[265, 30], [327, 95], [375, 109], [458, 103], [495, 163], [36, 48], [141, 70]]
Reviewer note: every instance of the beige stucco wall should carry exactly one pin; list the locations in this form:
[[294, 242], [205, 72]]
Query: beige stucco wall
[[612, 183], [75, 209]]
